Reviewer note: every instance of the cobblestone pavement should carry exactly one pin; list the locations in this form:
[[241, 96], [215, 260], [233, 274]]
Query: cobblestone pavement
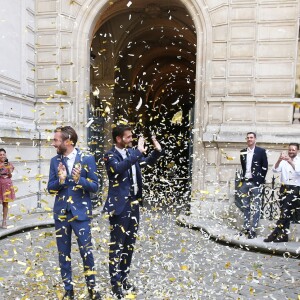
[[170, 262]]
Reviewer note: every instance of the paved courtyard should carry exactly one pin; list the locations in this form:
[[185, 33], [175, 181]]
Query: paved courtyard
[[170, 262]]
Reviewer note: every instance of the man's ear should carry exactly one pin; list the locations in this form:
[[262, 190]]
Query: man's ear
[[69, 142], [118, 139]]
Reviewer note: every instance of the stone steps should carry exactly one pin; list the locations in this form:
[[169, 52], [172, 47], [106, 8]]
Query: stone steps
[[233, 217]]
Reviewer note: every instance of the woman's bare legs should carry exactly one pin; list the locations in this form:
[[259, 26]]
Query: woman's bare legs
[[5, 211]]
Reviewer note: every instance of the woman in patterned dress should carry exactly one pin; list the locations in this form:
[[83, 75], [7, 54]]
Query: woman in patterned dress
[[7, 193]]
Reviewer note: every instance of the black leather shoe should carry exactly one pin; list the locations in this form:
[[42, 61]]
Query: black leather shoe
[[252, 234], [94, 295], [127, 286], [117, 291], [244, 232], [69, 295], [282, 238], [270, 238]]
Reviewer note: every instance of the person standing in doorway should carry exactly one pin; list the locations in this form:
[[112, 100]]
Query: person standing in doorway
[[123, 165], [73, 176], [288, 165], [254, 164], [7, 191]]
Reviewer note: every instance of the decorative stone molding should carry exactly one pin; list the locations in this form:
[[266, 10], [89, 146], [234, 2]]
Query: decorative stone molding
[[246, 55]]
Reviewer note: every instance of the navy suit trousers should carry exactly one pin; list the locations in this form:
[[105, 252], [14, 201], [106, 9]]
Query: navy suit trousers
[[288, 205], [82, 231], [123, 232]]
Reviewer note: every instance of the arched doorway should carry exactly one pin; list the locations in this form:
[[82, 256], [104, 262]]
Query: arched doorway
[[143, 72]]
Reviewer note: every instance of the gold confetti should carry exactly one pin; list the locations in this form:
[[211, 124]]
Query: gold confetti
[[39, 177], [46, 208], [177, 118], [130, 296], [204, 192], [61, 92], [39, 273], [90, 272], [72, 219], [259, 273]]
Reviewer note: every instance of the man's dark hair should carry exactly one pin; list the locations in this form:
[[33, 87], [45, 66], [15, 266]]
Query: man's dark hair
[[3, 150], [119, 131], [67, 132], [290, 144], [251, 133]]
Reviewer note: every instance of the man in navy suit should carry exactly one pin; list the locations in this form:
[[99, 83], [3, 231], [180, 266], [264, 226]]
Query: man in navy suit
[[73, 176], [123, 165], [254, 163]]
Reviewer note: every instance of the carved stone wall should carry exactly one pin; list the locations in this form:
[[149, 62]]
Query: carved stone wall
[[251, 85], [18, 131], [245, 81]]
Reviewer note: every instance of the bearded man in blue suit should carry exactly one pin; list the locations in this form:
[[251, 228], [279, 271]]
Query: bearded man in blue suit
[[73, 176], [123, 165]]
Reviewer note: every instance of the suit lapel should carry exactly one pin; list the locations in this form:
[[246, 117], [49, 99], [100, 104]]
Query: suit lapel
[[244, 154], [254, 157], [78, 157], [129, 151], [115, 151], [255, 151]]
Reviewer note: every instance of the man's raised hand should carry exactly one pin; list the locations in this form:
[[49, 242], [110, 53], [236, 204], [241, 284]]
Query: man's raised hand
[[141, 144]]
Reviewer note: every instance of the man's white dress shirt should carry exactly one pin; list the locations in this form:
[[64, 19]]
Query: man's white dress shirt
[[71, 160], [124, 153], [250, 153], [288, 175]]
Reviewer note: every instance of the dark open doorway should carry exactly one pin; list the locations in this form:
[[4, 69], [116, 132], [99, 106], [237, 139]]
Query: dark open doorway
[[147, 55]]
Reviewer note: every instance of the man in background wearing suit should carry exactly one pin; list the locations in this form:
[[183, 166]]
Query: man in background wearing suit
[[123, 164], [254, 163], [72, 178]]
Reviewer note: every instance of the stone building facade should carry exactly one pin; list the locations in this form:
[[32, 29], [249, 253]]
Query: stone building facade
[[223, 67]]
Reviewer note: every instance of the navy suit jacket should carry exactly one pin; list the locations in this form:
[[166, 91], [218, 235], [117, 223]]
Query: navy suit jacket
[[119, 178], [259, 167], [76, 194]]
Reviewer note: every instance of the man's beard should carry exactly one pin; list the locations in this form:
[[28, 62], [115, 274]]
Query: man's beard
[[60, 151]]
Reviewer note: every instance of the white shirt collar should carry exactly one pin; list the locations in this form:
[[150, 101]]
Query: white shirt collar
[[121, 151], [250, 150], [72, 154]]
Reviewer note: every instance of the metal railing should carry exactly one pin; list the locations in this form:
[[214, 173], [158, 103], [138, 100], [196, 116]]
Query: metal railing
[[270, 202]]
